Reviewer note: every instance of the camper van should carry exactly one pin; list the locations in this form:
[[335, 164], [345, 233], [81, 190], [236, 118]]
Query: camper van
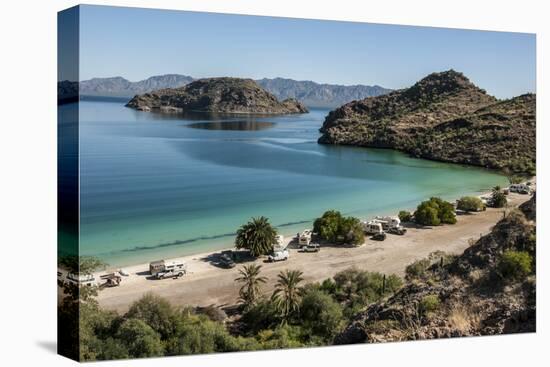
[[372, 227], [305, 237], [391, 224], [388, 221], [81, 279], [167, 268], [278, 256]]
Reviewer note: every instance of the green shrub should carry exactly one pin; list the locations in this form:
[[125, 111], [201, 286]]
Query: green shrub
[[321, 314], [334, 227], [262, 315], [434, 212], [470, 204], [429, 303], [357, 288], [515, 265], [417, 269], [405, 216], [140, 339]]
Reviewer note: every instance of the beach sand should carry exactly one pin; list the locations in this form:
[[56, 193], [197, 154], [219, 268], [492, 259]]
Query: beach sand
[[206, 284]]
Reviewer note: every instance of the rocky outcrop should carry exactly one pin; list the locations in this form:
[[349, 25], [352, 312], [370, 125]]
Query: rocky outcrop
[[443, 117], [219, 95], [466, 295]]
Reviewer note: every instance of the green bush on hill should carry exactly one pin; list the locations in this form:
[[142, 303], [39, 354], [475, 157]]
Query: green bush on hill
[[429, 304], [514, 265]]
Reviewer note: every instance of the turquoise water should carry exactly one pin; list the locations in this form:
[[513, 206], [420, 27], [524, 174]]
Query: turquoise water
[[155, 186]]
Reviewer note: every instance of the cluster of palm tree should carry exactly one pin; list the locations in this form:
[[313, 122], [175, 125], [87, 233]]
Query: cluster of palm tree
[[286, 296]]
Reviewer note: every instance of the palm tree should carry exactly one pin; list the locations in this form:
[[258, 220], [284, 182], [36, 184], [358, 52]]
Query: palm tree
[[258, 236], [251, 279], [288, 293]]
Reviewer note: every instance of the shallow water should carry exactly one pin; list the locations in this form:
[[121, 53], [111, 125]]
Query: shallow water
[[151, 187]]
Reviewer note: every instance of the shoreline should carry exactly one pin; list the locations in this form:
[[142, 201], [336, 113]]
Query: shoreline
[[207, 284], [228, 245]]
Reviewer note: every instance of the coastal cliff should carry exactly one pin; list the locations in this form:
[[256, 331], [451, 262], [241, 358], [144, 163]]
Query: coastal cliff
[[221, 95], [442, 117]]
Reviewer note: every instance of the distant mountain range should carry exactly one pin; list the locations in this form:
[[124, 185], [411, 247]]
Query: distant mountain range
[[310, 93]]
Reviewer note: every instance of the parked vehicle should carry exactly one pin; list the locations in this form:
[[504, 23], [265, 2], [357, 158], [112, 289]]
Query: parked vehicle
[[226, 261], [312, 247], [81, 279], [372, 227], [162, 269], [111, 280], [391, 224], [400, 230], [379, 236], [388, 221], [305, 237], [278, 256], [520, 189]]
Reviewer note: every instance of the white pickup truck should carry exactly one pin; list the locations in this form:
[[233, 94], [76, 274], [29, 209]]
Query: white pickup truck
[[278, 256]]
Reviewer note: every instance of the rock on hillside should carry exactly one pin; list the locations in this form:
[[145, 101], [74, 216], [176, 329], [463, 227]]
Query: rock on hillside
[[221, 95], [461, 296], [442, 117]]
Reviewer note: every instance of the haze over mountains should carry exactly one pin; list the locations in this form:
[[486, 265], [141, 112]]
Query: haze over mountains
[[308, 92]]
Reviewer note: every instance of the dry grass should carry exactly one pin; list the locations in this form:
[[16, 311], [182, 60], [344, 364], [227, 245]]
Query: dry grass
[[464, 318]]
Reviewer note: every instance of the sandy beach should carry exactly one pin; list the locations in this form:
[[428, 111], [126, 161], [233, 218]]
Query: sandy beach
[[207, 284]]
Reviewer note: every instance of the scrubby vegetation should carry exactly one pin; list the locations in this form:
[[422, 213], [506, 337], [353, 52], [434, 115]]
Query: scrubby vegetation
[[514, 265], [405, 216], [335, 228], [295, 315], [470, 204], [434, 212]]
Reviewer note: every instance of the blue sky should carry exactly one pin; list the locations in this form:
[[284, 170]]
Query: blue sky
[[138, 43]]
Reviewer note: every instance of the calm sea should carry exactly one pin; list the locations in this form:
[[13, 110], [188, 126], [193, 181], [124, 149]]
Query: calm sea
[[155, 186]]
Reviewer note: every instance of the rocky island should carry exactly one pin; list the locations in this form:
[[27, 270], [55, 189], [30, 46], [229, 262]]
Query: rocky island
[[219, 95], [442, 117]]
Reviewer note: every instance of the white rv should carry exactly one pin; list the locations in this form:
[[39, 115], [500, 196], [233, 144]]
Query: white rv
[[305, 237], [282, 255], [81, 279], [388, 221], [372, 227]]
